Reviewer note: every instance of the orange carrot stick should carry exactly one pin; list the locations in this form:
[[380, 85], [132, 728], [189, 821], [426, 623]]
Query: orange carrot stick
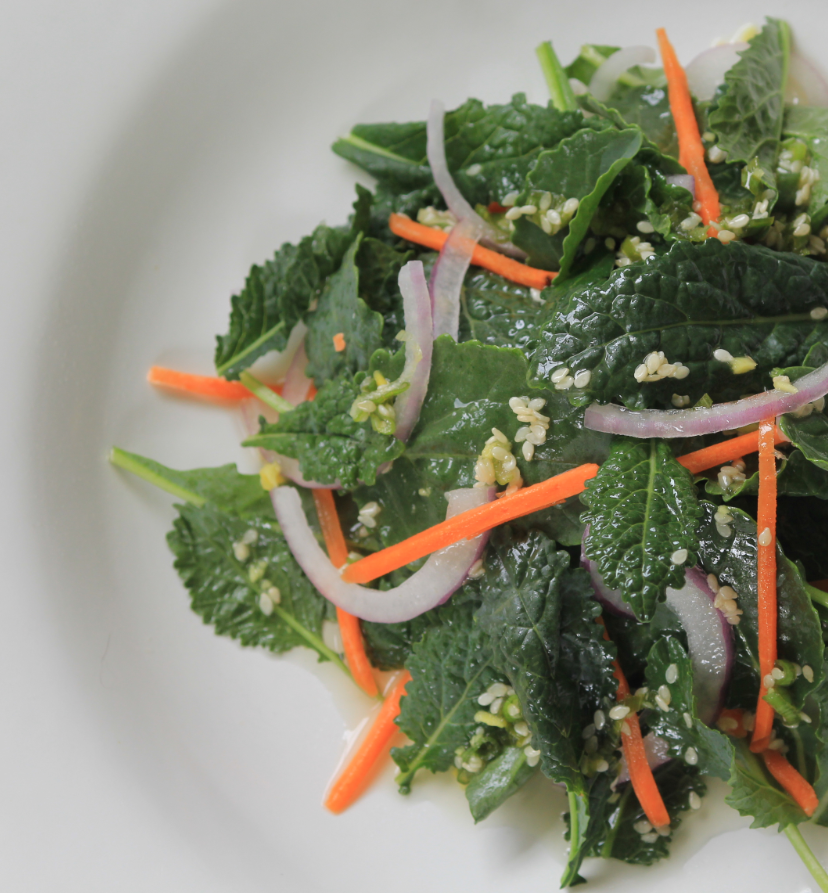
[[201, 385], [732, 722], [339, 342], [766, 581], [408, 229], [727, 451], [352, 642], [691, 148], [351, 781], [791, 781], [471, 523], [632, 743]]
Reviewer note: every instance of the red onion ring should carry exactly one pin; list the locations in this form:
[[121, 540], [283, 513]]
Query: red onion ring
[[442, 574], [686, 181], [657, 751], [708, 69], [297, 384], [604, 79], [454, 199], [447, 278], [613, 419], [806, 83], [418, 348]]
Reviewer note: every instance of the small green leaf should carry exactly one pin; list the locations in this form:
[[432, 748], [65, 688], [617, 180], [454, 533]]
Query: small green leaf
[[501, 778]]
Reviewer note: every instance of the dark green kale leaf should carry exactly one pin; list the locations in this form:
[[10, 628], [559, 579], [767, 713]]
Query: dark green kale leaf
[[500, 143], [468, 395], [616, 816], [642, 507], [811, 126], [226, 591], [816, 747], [810, 435], [713, 749], [328, 443], [451, 666], [733, 560], [802, 529], [495, 783], [648, 106], [276, 296], [341, 309], [696, 298], [582, 166], [224, 487], [795, 476], [748, 117]]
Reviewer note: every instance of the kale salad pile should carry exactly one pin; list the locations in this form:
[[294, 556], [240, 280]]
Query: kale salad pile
[[637, 275]]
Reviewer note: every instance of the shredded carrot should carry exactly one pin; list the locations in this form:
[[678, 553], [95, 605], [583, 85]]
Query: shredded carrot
[[471, 523], [339, 342], [348, 624], [507, 267], [201, 385], [691, 148], [727, 451], [632, 743], [352, 779], [766, 581], [732, 722], [791, 781]]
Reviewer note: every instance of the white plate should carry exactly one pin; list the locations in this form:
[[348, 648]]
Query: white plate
[[151, 153]]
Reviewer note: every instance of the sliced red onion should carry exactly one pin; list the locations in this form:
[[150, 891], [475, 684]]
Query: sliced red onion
[[442, 574], [479, 229], [418, 347], [686, 181], [613, 419], [708, 69], [806, 83], [657, 751], [709, 635], [447, 278], [603, 81], [297, 384]]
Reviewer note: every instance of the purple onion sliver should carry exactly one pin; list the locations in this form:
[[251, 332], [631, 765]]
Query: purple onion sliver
[[297, 384], [603, 81], [657, 751], [686, 181], [613, 419], [447, 278], [708, 69], [420, 330], [442, 574]]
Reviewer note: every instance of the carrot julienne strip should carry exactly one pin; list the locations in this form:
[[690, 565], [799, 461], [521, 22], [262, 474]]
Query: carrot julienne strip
[[691, 148], [507, 267], [727, 451], [801, 791], [766, 581], [201, 385], [349, 626], [471, 523], [351, 781]]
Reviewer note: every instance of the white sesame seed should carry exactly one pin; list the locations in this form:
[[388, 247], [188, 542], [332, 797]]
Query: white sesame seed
[[805, 718], [274, 594], [662, 704], [722, 355], [265, 604], [776, 744], [672, 673], [679, 556], [652, 837], [582, 378], [600, 720], [765, 537], [495, 706], [241, 551], [609, 243], [640, 372], [625, 729], [571, 206], [778, 673], [485, 699], [725, 236], [642, 827], [728, 593], [688, 720], [559, 374], [499, 435], [690, 756], [723, 530], [783, 383], [528, 450], [529, 210], [498, 689], [553, 217], [804, 229], [739, 221], [663, 831], [517, 403], [521, 728], [477, 570], [819, 313], [727, 724], [769, 681], [474, 169], [546, 226], [565, 383], [713, 582], [653, 361], [250, 537], [514, 213], [545, 202], [619, 712], [591, 745], [644, 226], [510, 199], [601, 766], [690, 222], [588, 731], [808, 673], [716, 155], [694, 800], [681, 372]]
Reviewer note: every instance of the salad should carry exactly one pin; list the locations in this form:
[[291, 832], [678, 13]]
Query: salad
[[544, 450]]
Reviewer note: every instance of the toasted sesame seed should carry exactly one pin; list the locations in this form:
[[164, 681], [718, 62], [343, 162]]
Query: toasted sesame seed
[[694, 800], [644, 226], [672, 673], [688, 720], [679, 556], [808, 673], [728, 593], [619, 712], [691, 757]]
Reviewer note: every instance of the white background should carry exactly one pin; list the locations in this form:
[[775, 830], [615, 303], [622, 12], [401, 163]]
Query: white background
[[150, 153]]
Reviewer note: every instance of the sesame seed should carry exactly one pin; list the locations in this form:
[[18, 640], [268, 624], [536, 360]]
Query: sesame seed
[[514, 213], [535, 294], [250, 537], [808, 673], [517, 404], [619, 712], [713, 582], [652, 837], [241, 551], [498, 689], [662, 704], [601, 766], [600, 719], [522, 729], [499, 435], [769, 681], [728, 593], [625, 729], [725, 236], [533, 760], [644, 226], [804, 229], [553, 217], [681, 372], [642, 827], [688, 720], [716, 155], [723, 530], [565, 383], [765, 537], [545, 202], [690, 222], [739, 221], [528, 450], [805, 718], [727, 724], [485, 699], [571, 206], [582, 378], [529, 210], [495, 706], [783, 383], [665, 694], [588, 732], [723, 356], [679, 556], [778, 673], [510, 199], [474, 169], [477, 570], [776, 744], [672, 673], [265, 604], [663, 831], [559, 374], [640, 372], [653, 361], [819, 313], [691, 757], [609, 243], [694, 800], [591, 745]]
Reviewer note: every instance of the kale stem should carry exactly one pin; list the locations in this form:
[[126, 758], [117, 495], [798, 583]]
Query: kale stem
[[264, 393], [609, 842], [559, 88], [805, 853], [817, 595], [132, 463], [313, 640]]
